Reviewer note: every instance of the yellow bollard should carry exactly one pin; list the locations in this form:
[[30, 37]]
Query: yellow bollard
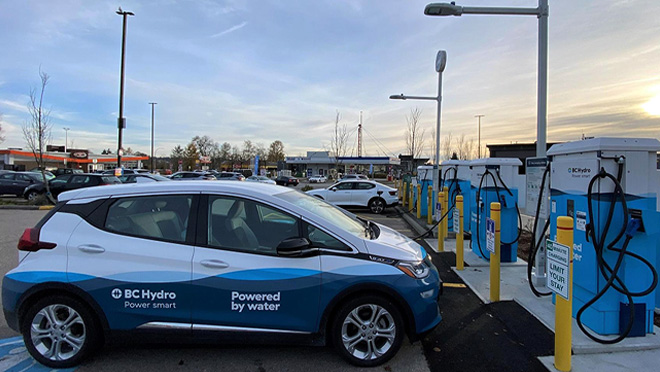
[[429, 205], [399, 189], [403, 194], [419, 201], [459, 234], [495, 257], [411, 201], [441, 235], [564, 308], [445, 208]]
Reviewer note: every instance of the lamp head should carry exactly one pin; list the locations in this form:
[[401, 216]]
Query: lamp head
[[443, 9], [398, 97]]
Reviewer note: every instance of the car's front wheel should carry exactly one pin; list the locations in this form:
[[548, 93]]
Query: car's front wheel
[[59, 331], [368, 331], [31, 195], [377, 205]]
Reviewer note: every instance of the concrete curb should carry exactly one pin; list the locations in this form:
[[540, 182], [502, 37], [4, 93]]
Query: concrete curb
[[28, 207], [410, 220]]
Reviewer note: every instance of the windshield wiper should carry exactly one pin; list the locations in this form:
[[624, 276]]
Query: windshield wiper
[[368, 233]]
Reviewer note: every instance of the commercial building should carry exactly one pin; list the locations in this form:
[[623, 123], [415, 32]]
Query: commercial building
[[55, 157], [321, 163]]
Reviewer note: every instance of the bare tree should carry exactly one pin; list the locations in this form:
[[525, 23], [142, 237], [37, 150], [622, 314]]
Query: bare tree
[[339, 141], [465, 148], [2, 138], [446, 147], [414, 134], [276, 151], [37, 130]]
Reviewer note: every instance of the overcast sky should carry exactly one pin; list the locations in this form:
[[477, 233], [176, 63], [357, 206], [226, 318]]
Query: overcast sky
[[267, 70]]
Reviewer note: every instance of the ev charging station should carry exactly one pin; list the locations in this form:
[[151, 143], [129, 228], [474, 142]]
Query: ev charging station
[[609, 186], [425, 179], [495, 180], [456, 176]]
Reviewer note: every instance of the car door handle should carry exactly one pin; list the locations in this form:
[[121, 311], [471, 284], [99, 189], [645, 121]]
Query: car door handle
[[214, 264], [91, 248]]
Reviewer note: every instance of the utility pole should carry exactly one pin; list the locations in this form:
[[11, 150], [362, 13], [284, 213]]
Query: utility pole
[[121, 121], [359, 151], [66, 137], [153, 105], [479, 140]]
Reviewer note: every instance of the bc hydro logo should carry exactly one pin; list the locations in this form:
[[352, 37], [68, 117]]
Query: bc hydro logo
[[116, 293]]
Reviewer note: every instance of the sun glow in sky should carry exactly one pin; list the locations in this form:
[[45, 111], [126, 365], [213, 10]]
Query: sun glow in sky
[[653, 106]]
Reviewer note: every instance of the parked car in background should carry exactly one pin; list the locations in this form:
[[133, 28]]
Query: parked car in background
[[354, 177], [317, 179], [359, 193], [230, 176], [68, 182], [190, 176], [126, 171], [287, 180], [49, 175], [142, 178], [61, 171], [260, 179], [15, 182]]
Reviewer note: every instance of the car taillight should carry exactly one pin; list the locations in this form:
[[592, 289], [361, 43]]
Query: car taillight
[[29, 241], [393, 193]]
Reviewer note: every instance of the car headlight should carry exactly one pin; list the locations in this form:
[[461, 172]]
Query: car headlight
[[415, 270]]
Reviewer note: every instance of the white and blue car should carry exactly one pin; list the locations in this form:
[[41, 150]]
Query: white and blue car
[[200, 259]]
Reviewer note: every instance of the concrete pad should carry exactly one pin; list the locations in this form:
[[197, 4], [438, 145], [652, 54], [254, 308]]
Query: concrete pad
[[514, 286], [610, 362]]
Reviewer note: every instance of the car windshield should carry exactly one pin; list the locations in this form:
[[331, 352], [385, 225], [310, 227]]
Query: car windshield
[[324, 210], [158, 177]]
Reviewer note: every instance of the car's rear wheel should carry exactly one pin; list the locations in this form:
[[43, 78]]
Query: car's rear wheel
[[368, 331], [32, 195], [59, 331], [377, 205]]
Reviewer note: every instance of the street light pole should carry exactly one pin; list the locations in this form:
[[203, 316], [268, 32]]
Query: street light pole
[[440, 64], [542, 13], [479, 140], [66, 137], [153, 105], [121, 121]]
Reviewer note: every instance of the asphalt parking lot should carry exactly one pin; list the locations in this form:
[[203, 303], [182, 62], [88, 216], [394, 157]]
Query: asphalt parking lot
[[472, 336]]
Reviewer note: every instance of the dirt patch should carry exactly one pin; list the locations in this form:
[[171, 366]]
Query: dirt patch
[[524, 244]]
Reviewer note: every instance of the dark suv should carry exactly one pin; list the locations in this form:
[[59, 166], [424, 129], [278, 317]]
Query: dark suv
[[286, 181], [68, 182]]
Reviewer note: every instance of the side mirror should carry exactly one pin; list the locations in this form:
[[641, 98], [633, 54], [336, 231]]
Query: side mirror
[[333, 189], [294, 247]]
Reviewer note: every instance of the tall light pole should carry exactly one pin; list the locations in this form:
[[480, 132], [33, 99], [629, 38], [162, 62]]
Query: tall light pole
[[440, 64], [153, 105], [121, 121], [66, 137], [542, 13], [479, 140]]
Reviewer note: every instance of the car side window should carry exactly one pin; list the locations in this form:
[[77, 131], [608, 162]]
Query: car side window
[[321, 239], [345, 186], [176, 176], [163, 217], [245, 225], [7, 176], [365, 186], [23, 177], [79, 179]]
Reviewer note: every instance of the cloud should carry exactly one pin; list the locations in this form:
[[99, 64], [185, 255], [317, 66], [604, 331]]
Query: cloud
[[229, 30]]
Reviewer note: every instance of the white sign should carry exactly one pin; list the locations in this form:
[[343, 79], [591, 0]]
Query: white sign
[[557, 268], [456, 221], [580, 220], [534, 175], [490, 235]]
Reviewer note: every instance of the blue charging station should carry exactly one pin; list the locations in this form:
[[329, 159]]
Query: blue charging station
[[573, 166], [456, 176], [487, 188]]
